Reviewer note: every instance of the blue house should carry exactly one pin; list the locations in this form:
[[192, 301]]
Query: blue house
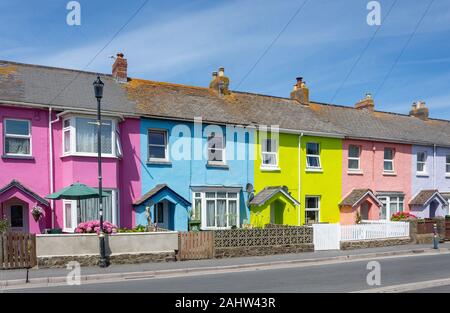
[[193, 171]]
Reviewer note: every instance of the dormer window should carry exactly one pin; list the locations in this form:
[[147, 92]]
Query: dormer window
[[80, 137]]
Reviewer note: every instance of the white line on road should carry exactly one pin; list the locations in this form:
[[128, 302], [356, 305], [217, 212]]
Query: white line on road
[[409, 286]]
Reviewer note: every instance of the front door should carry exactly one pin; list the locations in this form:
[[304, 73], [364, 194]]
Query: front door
[[162, 214], [276, 213], [17, 217]]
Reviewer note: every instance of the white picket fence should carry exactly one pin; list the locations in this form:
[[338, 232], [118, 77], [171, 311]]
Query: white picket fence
[[329, 236], [373, 230]]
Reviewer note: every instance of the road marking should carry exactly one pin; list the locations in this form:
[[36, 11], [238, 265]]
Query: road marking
[[408, 287]]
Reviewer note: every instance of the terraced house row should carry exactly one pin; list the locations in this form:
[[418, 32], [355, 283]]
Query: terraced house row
[[209, 157]]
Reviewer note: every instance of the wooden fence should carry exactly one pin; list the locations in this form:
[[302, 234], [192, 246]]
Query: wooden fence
[[195, 245], [17, 250]]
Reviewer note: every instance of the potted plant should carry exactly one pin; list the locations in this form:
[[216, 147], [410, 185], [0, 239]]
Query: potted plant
[[4, 225], [37, 212], [194, 222]]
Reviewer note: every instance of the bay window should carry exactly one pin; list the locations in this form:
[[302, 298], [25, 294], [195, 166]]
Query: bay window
[[390, 206], [80, 137], [221, 209], [89, 210], [17, 137]]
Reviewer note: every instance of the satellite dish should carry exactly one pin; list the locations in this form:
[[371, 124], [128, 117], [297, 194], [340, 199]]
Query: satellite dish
[[249, 188]]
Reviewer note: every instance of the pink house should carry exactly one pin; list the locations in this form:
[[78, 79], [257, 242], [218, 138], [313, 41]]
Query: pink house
[[375, 180], [48, 142]]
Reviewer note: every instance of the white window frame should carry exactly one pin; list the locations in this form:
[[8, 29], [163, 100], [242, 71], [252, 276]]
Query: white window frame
[[274, 143], [223, 149], [354, 158], [228, 199], [312, 209], [74, 213], [424, 172], [73, 137], [197, 196], [166, 145], [308, 166], [387, 200], [6, 135], [447, 165], [388, 160]]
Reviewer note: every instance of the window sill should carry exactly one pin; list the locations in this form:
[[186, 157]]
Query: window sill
[[18, 157], [314, 170], [270, 169], [355, 172], [389, 174], [217, 165], [154, 162], [422, 175], [104, 156], [447, 176]]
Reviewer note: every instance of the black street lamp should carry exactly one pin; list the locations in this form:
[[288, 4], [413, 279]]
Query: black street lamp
[[98, 90]]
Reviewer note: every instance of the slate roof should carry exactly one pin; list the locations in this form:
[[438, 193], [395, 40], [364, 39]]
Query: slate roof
[[356, 196], [154, 191], [65, 88], [16, 184], [424, 196], [268, 193]]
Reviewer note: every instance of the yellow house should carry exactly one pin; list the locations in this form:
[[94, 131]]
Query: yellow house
[[298, 179]]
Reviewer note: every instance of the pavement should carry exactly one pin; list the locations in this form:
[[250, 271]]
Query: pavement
[[399, 273], [52, 276]]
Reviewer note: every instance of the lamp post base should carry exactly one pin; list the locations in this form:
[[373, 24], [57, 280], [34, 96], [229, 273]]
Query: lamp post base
[[103, 261]]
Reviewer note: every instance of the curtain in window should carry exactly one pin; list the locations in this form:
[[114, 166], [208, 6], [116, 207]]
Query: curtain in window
[[89, 208], [232, 209], [87, 136], [210, 213], [221, 213], [17, 145]]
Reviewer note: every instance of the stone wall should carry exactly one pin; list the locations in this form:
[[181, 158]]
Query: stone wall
[[418, 238], [92, 260], [364, 244]]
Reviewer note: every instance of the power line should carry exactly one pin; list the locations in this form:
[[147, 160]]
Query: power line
[[362, 53], [103, 48], [272, 43], [404, 47]]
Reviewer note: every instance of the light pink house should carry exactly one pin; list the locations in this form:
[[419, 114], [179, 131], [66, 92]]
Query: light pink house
[[375, 180], [48, 142]]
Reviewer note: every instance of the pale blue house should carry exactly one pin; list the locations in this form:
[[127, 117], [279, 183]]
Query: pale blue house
[[194, 171]]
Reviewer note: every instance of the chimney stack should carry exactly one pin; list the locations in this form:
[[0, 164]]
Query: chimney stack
[[120, 69], [300, 92], [419, 109], [220, 83], [367, 103]]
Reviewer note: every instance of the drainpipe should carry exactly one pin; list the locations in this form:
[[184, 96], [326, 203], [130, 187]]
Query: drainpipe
[[434, 166], [299, 176], [52, 179]]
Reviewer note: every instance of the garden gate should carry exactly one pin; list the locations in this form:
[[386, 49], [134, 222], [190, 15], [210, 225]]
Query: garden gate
[[327, 237], [195, 245], [17, 250]]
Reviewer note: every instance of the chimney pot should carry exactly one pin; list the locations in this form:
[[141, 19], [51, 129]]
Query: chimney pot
[[120, 68], [367, 103], [419, 109], [300, 92], [221, 71], [220, 82]]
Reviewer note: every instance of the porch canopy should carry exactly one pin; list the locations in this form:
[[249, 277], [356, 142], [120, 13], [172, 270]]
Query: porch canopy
[[268, 193], [357, 196], [424, 197], [16, 189]]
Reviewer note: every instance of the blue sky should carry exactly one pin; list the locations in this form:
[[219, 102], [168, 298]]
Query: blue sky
[[184, 41]]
